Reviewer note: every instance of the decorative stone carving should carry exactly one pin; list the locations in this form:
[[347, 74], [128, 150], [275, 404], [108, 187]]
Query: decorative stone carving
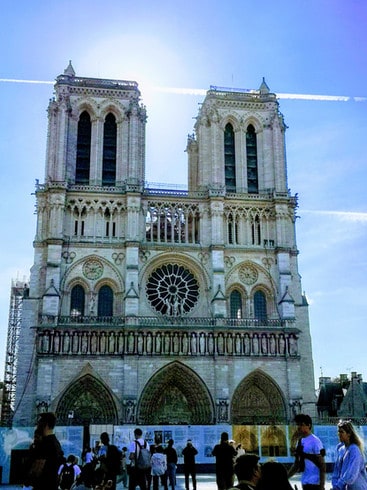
[[172, 290], [248, 274], [118, 258], [222, 410], [130, 411], [93, 269]]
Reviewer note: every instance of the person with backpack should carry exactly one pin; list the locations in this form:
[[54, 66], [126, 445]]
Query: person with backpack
[[140, 464], [68, 472], [110, 458]]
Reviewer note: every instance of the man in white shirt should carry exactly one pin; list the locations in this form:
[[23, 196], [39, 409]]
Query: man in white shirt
[[137, 476], [310, 455]]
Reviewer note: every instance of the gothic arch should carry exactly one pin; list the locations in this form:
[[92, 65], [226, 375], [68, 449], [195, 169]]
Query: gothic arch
[[175, 395], [89, 401], [116, 108], [270, 297], [180, 259], [86, 104], [75, 275], [257, 122], [231, 119], [258, 399]]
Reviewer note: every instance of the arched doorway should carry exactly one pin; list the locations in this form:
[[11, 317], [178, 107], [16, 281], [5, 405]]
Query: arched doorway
[[258, 400], [87, 401], [176, 395]]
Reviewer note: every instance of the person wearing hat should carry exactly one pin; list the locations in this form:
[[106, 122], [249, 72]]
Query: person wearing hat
[[189, 452], [248, 471], [224, 456]]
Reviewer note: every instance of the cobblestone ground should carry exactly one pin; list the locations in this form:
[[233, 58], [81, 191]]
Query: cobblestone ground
[[204, 482]]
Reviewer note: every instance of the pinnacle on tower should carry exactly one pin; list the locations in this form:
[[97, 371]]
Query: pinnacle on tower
[[264, 89], [69, 70]]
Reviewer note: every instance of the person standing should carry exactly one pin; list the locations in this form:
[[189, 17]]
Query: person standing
[[159, 467], [110, 459], [189, 452], [47, 455], [88, 455], [310, 455], [124, 467], [68, 473], [171, 454], [137, 476], [350, 466], [224, 456]]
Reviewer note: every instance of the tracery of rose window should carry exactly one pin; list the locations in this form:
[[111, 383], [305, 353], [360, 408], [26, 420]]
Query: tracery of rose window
[[172, 290]]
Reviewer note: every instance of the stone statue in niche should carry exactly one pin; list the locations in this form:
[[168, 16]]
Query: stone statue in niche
[[222, 411]]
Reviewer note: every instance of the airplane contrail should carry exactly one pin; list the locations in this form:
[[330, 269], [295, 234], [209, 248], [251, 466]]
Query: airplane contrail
[[202, 92], [14, 80], [344, 215], [198, 91]]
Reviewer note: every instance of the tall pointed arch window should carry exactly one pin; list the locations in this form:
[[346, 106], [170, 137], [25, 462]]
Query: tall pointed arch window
[[235, 300], [251, 153], [105, 301], [83, 149], [229, 158], [109, 150], [256, 230], [77, 301], [232, 229], [260, 308]]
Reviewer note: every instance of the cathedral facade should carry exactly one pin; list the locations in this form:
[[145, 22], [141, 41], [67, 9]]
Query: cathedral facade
[[151, 305]]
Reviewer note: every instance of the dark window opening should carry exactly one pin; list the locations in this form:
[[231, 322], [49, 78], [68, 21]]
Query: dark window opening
[[83, 149], [251, 153], [229, 158], [256, 231], [109, 151], [105, 301], [260, 306], [236, 304], [77, 301]]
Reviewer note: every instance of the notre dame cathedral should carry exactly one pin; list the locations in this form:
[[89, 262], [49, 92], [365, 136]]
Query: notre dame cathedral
[[151, 305]]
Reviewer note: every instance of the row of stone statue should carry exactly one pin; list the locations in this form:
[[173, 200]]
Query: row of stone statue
[[167, 343]]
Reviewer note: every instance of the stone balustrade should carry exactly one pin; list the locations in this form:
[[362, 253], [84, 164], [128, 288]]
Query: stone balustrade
[[150, 340]]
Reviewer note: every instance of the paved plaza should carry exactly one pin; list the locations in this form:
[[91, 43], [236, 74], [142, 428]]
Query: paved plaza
[[204, 482]]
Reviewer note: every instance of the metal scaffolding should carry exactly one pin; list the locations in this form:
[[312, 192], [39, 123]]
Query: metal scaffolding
[[19, 290]]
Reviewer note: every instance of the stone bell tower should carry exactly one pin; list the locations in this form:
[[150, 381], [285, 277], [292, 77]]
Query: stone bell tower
[[158, 306]]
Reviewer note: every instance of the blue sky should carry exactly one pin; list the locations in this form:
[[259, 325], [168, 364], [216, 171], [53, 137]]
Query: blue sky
[[309, 47]]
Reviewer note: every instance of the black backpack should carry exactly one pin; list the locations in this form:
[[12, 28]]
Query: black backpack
[[67, 476], [114, 459], [143, 461]]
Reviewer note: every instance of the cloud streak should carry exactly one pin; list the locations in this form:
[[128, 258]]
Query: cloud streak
[[202, 92], [343, 215], [14, 80]]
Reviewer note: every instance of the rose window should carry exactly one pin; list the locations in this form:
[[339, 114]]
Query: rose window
[[172, 290]]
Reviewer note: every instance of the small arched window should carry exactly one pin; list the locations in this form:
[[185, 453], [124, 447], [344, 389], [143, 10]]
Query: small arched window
[[251, 153], [260, 308], [105, 301], [83, 149], [235, 304], [229, 158], [109, 150], [77, 301]]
